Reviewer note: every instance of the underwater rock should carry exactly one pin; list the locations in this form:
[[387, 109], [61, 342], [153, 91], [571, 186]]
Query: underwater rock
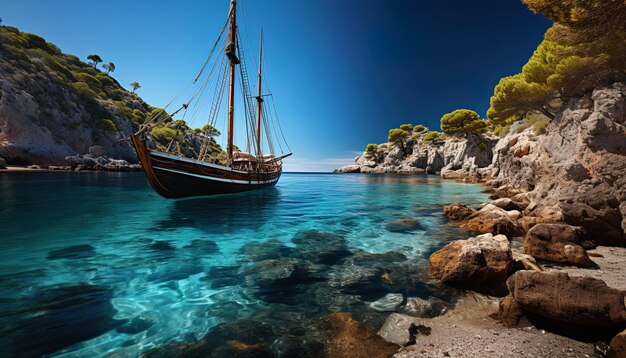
[[321, 247], [278, 281], [222, 276], [271, 249], [162, 246], [135, 326], [59, 317], [72, 252], [202, 247], [389, 303], [403, 225], [174, 272]]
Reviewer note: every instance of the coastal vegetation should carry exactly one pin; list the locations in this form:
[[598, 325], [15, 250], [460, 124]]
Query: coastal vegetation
[[462, 121], [584, 49], [76, 98]]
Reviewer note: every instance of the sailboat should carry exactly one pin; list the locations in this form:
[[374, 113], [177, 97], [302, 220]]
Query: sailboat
[[174, 175]]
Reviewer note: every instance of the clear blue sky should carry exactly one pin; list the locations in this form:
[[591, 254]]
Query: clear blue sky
[[342, 71]]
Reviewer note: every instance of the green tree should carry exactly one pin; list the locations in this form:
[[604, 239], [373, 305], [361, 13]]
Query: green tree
[[371, 149], [432, 136], [209, 130], [95, 60], [398, 136], [406, 127], [462, 121], [135, 85], [581, 51], [110, 67], [418, 128]]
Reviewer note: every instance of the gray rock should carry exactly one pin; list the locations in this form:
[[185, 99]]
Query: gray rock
[[389, 303], [419, 307]]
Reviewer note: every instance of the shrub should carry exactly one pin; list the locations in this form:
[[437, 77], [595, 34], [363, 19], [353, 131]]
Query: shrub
[[105, 80], [84, 90], [432, 136], [501, 131], [371, 149], [164, 135], [418, 128], [107, 125], [407, 127], [34, 41], [93, 82]]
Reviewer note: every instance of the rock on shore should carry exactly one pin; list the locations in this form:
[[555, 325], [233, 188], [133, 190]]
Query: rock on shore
[[484, 260]]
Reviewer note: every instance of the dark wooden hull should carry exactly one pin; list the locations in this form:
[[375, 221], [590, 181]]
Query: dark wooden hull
[[176, 177]]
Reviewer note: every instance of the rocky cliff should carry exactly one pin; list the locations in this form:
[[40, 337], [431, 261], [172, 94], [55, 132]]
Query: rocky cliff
[[576, 171], [52, 105], [449, 157], [573, 170]]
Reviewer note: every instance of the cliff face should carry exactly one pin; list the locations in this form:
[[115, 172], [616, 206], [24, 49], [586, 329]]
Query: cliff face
[[53, 105], [573, 171], [576, 172], [450, 157]]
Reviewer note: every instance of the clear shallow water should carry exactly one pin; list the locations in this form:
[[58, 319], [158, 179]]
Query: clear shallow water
[[95, 263]]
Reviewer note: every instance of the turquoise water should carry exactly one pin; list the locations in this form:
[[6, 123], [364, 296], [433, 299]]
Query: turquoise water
[[97, 263]]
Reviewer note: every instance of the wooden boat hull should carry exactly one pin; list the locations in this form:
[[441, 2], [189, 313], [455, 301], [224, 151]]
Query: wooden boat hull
[[176, 177]]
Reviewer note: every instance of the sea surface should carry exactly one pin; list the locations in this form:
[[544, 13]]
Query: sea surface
[[97, 263]]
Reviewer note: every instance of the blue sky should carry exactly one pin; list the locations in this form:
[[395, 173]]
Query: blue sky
[[342, 72]]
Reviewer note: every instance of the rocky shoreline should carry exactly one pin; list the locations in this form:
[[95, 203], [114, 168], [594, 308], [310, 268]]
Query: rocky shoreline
[[551, 245]]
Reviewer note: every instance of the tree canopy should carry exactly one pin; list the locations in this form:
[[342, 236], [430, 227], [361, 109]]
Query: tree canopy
[[135, 85], [432, 136], [371, 149], [95, 60], [110, 67], [418, 128], [462, 121], [585, 48], [397, 135], [406, 127]]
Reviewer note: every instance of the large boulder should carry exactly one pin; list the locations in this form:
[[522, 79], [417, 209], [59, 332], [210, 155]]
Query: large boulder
[[457, 211], [492, 219], [577, 301], [557, 243], [394, 157], [484, 260], [345, 337]]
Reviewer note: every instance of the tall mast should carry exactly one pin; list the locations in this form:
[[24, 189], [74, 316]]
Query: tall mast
[[259, 99], [231, 53]]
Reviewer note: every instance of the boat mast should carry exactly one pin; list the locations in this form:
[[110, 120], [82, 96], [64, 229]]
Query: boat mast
[[231, 49], [259, 99]]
